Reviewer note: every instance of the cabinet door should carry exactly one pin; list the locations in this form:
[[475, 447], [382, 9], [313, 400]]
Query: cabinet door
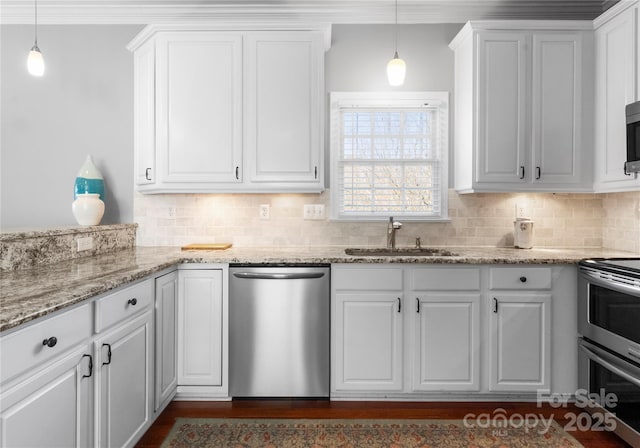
[[144, 114], [51, 408], [502, 108], [616, 79], [199, 107], [556, 92], [166, 330], [200, 327], [124, 360], [520, 335], [447, 342], [368, 342], [284, 110]]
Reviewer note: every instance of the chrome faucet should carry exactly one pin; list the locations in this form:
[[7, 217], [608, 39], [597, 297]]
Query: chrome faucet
[[391, 232]]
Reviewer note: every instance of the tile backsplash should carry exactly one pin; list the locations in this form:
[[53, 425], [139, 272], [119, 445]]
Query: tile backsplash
[[485, 219], [621, 225]]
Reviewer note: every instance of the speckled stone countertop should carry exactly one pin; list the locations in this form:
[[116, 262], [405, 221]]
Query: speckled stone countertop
[[27, 294]]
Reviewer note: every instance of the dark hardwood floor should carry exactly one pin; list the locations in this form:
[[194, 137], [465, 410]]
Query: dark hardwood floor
[[367, 409]]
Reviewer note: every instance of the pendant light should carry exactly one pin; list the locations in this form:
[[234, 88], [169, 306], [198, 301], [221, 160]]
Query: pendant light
[[396, 68], [35, 62]]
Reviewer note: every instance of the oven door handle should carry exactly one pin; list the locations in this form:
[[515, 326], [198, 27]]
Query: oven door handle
[[611, 284], [610, 363]]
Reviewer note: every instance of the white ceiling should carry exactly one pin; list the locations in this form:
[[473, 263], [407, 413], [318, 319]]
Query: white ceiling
[[301, 11]]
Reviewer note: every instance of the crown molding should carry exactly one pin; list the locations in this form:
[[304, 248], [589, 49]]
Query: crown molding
[[616, 9], [294, 11]]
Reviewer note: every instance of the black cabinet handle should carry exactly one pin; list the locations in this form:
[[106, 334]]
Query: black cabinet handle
[[495, 305], [399, 304], [315, 172], [417, 304], [51, 342], [237, 173], [108, 354], [522, 172], [538, 173], [146, 174], [132, 302], [90, 366], [523, 279]]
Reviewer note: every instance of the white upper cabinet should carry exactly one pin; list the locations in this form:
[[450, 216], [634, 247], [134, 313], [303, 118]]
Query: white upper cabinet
[[617, 72], [199, 107], [284, 91], [229, 111], [523, 92]]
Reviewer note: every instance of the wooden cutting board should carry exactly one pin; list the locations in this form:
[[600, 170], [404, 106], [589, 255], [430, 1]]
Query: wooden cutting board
[[207, 246]]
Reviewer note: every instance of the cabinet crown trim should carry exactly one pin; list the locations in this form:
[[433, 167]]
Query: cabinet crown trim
[[519, 25], [151, 30], [612, 12]]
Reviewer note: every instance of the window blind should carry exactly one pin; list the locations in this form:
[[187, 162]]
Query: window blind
[[389, 160]]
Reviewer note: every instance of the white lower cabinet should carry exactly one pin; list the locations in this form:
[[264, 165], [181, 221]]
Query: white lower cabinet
[[202, 332], [440, 330], [166, 330], [385, 332], [445, 339], [446, 353], [369, 356], [124, 353], [124, 379], [367, 328], [520, 342], [51, 408]]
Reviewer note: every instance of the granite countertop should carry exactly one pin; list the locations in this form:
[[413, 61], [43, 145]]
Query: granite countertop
[[27, 294]]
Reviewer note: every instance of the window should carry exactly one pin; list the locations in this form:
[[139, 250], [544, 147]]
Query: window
[[389, 154]]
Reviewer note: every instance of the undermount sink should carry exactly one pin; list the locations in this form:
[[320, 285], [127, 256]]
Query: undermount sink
[[399, 251]]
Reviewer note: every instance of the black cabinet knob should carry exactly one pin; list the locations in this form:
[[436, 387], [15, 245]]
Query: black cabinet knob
[[133, 301], [51, 342], [523, 279]]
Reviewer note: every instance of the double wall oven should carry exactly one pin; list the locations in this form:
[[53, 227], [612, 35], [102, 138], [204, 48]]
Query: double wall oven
[[609, 340]]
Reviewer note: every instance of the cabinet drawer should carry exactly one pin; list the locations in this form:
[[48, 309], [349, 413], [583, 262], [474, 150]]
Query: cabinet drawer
[[122, 304], [25, 349], [520, 278], [445, 279], [367, 279]]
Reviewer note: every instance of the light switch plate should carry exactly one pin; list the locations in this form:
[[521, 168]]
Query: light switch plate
[[313, 211]]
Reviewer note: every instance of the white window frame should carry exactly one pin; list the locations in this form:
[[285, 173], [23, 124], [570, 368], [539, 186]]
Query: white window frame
[[339, 100]]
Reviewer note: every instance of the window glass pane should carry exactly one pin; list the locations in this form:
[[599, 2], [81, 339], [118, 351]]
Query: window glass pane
[[390, 160]]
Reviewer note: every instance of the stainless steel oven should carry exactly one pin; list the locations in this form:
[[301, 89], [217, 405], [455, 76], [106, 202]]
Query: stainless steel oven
[[609, 340]]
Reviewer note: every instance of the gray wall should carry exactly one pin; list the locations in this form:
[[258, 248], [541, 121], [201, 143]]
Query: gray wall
[[359, 54], [84, 105]]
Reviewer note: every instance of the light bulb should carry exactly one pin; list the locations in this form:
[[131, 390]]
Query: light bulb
[[35, 62], [396, 71]]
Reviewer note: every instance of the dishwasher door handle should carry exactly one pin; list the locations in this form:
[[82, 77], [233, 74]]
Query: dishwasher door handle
[[278, 276]]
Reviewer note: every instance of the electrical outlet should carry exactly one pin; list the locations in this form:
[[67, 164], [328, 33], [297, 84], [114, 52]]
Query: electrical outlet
[[521, 211], [313, 211], [264, 211], [85, 243], [171, 212]]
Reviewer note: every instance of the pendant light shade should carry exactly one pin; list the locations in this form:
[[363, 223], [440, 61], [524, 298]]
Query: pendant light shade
[[35, 61], [396, 68]]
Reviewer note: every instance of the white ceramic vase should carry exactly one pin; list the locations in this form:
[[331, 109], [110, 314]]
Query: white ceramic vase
[[88, 209]]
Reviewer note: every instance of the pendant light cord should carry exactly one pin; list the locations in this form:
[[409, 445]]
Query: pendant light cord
[[396, 27], [36, 23]]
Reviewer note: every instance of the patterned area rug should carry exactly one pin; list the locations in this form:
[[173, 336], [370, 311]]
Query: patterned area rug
[[320, 433]]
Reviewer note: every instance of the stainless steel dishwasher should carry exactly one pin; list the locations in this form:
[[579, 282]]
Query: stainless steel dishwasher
[[279, 331]]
